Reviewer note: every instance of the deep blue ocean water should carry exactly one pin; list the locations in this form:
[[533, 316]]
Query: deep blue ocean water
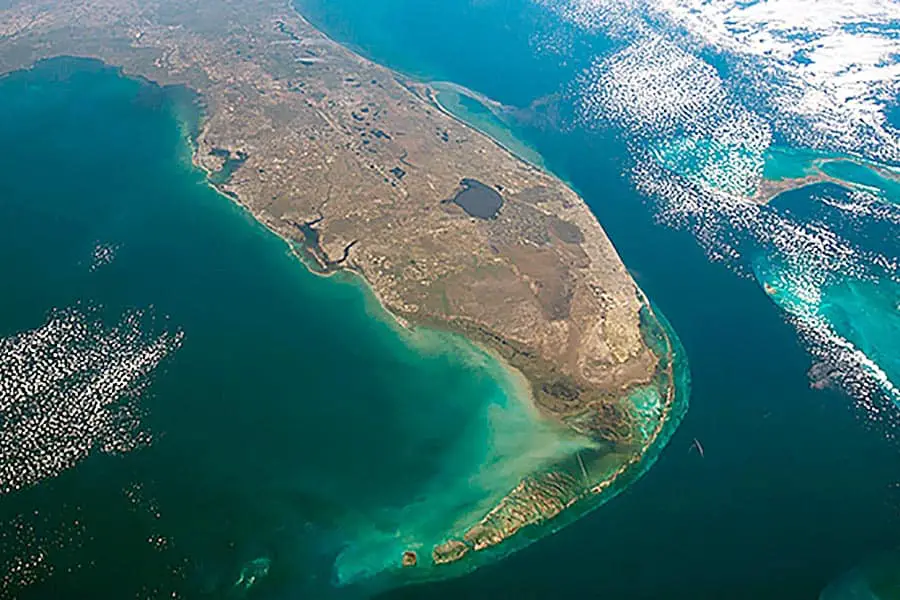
[[797, 485]]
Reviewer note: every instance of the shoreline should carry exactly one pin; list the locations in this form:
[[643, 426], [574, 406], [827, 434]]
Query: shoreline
[[672, 410], [536, 368], [514, 380], [407, 328], [770, 188], [432, 99], [411, 80]]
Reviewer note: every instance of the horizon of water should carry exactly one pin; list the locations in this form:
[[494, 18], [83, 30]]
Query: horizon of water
[[775, 517]]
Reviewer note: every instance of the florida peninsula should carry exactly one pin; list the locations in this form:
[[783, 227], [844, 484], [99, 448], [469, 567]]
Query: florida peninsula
[[361, 170]]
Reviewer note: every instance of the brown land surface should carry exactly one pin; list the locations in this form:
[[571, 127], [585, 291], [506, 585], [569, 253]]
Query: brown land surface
[[356, 163]]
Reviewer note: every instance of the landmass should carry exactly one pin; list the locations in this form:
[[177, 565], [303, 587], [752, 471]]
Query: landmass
[[769, 188], [359, 170]]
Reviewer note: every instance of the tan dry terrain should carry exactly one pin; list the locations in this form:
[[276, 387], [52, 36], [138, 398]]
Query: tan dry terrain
[[343, 147]]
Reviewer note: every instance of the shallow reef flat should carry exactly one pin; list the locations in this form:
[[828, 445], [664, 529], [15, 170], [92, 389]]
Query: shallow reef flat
[[356, 168]]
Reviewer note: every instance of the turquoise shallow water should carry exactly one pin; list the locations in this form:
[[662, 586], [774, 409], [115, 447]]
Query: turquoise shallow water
[[221, 422], [886, 184], [786, 162], [710, 163], [869, 313], [470, 110], [797, 484], [857, 307]]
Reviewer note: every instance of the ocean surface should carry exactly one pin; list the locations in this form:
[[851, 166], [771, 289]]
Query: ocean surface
[[788, 312], [222, 423]]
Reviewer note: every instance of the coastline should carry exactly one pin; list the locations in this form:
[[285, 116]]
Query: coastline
[[432, 98], [464, 557], [515, 380], [813, 172], [521, 385], [411, 82], [406, 322]]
